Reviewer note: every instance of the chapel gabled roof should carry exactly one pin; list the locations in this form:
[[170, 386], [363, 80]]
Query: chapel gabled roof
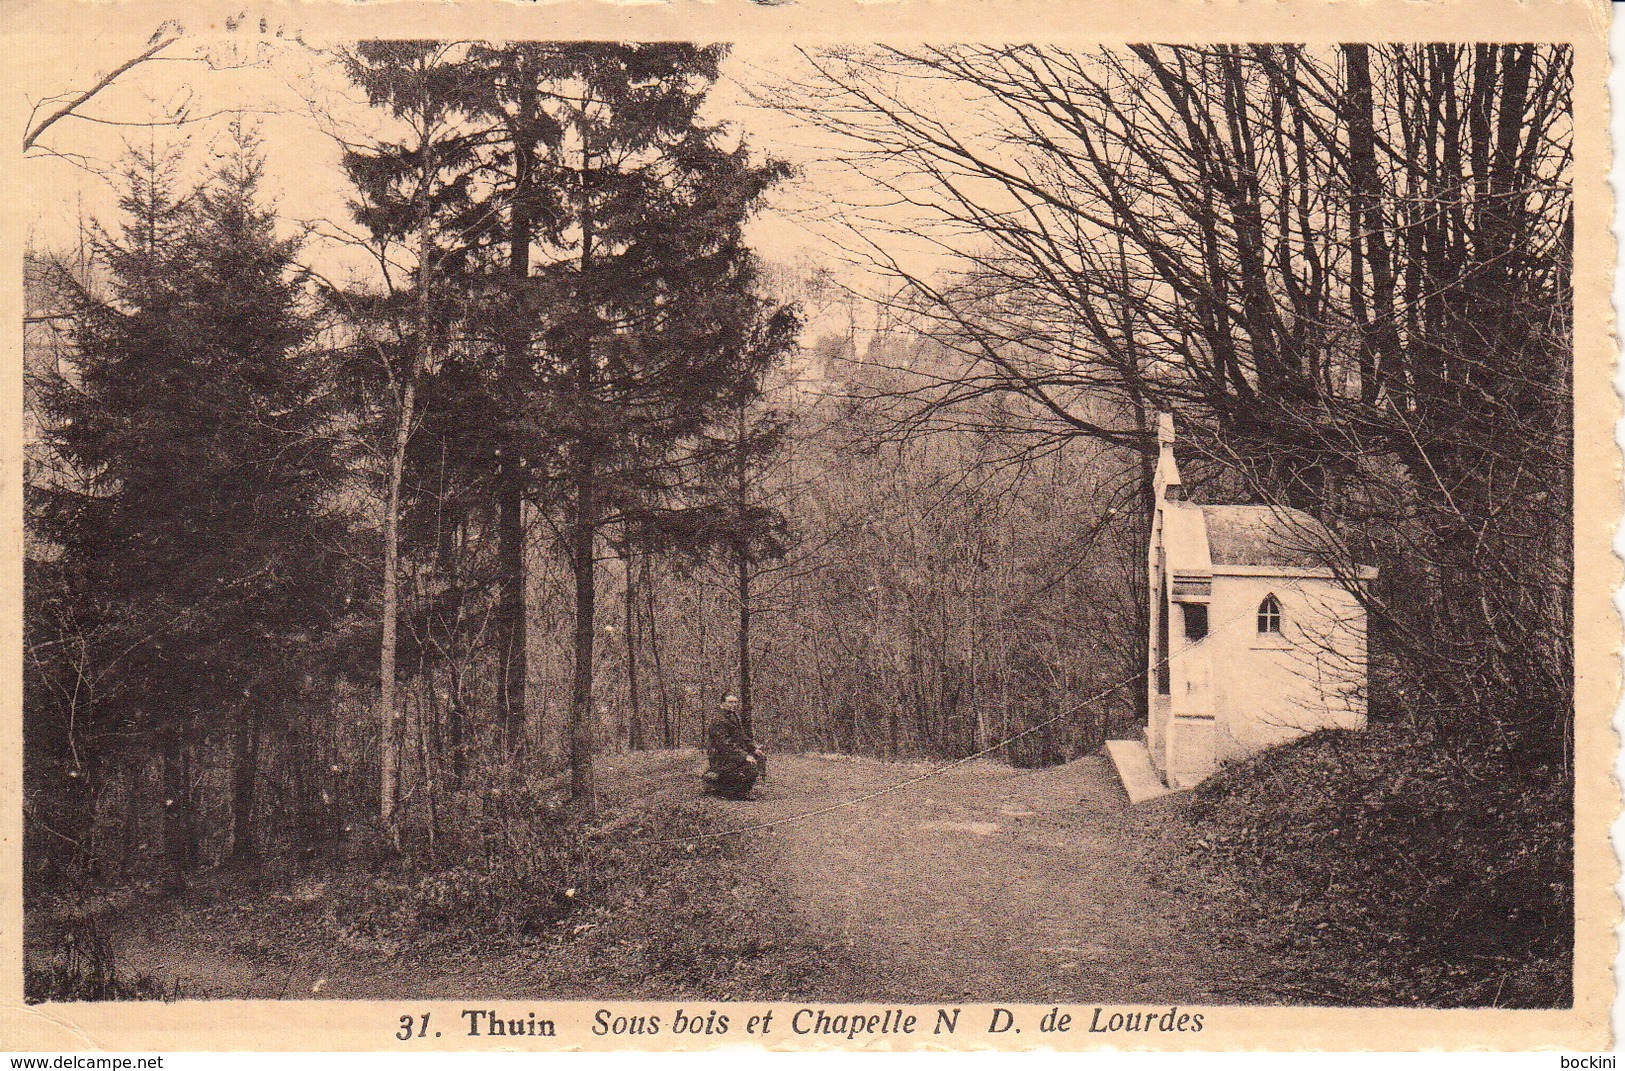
[[1184, 539], [1200, 540], [1267, 536]]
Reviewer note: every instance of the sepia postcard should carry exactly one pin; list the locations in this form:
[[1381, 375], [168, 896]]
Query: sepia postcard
[[808, 525]]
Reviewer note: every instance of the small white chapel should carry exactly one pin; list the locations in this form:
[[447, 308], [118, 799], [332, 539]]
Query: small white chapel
[[1255, 638]]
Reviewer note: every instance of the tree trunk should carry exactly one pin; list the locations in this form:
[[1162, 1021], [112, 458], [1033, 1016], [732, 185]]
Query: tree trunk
[[430, 770], [666, 726], [176, 809], [79, 807], [1368, 238], [388, 718], [584, 529], [511, 617], [742, 564], [454, 734], [245, 771], [744, 647], [455, 703], [511, 605], [582, 789], [702, 665], [634, 727]]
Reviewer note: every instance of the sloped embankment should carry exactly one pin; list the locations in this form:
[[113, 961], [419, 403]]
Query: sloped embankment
[[1389, 868]]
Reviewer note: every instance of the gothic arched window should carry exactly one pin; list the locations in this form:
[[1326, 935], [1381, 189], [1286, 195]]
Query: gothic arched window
[[1269, 616]]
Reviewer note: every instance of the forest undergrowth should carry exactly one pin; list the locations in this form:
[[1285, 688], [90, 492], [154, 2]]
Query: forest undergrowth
[[638, 904], [1392, 867]]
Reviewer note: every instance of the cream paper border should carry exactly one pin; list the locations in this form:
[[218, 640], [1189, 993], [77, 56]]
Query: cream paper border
[[370, 1025]]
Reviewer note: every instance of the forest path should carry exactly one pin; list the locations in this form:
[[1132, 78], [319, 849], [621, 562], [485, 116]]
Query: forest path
[[987, 883]]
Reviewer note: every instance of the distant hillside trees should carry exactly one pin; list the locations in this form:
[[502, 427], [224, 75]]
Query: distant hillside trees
[[928, 595]]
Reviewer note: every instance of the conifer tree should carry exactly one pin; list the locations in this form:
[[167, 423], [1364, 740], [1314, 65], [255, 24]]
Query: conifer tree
[[202, 537], [736, 514], [412, 196], [612, 312], [524, 210], [647, 306]]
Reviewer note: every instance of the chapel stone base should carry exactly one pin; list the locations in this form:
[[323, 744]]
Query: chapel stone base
[[1133, 762]]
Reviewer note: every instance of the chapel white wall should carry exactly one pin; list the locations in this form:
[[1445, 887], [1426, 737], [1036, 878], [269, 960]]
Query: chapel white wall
[[1273, 689]]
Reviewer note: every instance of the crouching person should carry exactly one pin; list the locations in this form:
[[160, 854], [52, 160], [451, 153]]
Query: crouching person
[[734, 762]]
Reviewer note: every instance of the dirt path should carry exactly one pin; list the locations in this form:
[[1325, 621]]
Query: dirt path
[[987, 883]]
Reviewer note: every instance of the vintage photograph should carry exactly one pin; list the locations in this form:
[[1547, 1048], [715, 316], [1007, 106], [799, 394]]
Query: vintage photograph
[[904, 524]]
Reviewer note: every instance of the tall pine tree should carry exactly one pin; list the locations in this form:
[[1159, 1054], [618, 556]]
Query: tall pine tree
[[413, 198], [648, 311], [202, 537], [612, 311]]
